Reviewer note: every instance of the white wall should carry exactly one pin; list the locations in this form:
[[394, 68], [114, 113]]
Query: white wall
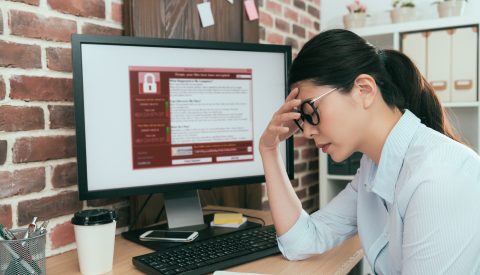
[[333, 10]]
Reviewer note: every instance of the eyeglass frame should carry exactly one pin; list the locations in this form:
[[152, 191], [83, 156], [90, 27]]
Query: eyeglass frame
[[309, 117]]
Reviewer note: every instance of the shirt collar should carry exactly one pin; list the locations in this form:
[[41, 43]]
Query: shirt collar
[[392, 156]]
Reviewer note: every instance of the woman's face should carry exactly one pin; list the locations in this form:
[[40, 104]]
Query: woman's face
[[342, 119]]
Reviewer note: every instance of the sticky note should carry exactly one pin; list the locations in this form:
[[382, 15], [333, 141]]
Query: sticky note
[[225, 218], [206, 16], [251, 9]]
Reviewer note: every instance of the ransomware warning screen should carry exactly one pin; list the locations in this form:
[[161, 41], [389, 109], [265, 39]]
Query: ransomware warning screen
[[189, 116]]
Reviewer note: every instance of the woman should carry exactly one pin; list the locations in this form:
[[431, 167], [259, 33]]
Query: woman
[[415, 201]]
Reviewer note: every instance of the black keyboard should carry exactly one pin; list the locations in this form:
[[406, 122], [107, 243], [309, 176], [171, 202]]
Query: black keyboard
[[217, 253]]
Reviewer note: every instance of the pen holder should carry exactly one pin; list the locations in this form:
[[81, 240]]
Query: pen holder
[[23, 256]]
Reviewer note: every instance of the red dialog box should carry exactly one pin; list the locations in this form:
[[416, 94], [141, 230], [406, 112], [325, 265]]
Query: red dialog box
[[149, 83]]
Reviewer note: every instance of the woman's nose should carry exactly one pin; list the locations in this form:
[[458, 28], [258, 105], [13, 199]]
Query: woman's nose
[[308, 130]]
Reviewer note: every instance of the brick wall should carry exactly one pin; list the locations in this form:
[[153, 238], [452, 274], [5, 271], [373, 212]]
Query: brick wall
[[294, 22], [37, 136]]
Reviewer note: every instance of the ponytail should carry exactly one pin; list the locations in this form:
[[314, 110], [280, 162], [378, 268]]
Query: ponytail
[[336, 57], [414, 92]]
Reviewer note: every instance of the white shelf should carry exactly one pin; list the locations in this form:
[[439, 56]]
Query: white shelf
[[340, 177], [461, 104], [436, 23]]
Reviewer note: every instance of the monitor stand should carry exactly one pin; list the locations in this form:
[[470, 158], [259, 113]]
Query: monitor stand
[[184, 212]]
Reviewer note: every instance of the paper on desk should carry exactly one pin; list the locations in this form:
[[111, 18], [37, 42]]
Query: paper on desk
[[234, 273]]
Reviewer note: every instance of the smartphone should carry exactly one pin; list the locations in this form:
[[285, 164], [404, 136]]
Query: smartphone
[[169, 236]]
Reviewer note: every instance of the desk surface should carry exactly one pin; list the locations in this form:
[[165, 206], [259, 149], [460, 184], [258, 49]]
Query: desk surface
[[339, 260]]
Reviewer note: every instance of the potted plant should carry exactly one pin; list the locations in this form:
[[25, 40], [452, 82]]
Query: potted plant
[[448, 8], [402, 11], [357, 15]]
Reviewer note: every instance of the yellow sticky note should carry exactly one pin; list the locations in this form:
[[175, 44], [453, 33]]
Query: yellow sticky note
[[227, 218]]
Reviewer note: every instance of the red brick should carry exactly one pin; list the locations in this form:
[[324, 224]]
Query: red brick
[[298, 30], [314, 11], [265, 19], [16, 55], [282, 25], [19, 118], [103, 202], [311, 35], [313, 165], [313, 190], [64, 175], [89, 28], [306, 21], [117, 12], [6, 215], [299, 141], [61, 116], [295, 182], [84, 8], [295, 154], [29, 2], [275, 38], [316, 25], [261, 33], [62, 235], [291, 14], [309, 153], [302, 193], [31, 149], [1, 22], [292, 42], [59, 59], [310, 179], [274, 7], [2, 88], [300, 167], [22, 182], [39, 88], [39, 26], [307, 204], [3, 151], [46, 208], [299, 4]]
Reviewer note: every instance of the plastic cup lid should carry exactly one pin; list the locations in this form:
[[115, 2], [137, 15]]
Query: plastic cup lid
[[94, 216]]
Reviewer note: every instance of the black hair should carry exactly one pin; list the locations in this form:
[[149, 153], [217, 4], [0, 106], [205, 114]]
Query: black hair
[[337, 57]]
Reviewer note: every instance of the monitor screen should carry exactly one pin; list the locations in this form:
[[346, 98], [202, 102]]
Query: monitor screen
[[156, 115]]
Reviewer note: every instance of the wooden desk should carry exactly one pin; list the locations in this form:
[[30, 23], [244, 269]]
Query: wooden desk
[[339, 260]]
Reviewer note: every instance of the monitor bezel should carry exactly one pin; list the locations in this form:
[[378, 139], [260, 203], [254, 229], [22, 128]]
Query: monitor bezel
[[76, 42]]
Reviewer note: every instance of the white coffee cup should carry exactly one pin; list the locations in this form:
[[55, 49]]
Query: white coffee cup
[[95, 239]]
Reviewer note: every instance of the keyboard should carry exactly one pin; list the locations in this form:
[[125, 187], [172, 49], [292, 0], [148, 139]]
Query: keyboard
[[206, 256]]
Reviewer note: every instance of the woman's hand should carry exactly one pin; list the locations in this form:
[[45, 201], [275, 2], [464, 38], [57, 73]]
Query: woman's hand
[[282, 125]]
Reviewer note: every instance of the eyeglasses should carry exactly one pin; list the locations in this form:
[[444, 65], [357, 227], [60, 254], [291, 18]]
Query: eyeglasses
[[308, 111]]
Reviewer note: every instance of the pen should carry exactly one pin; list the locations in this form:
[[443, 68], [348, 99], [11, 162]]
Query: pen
[[6, 234], [32, 227]]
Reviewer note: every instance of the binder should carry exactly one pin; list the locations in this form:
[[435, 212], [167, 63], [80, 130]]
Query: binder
[[439, 62], [414, 45], [464, 64]]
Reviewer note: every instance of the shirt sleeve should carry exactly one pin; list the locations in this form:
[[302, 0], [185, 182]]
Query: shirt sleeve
[[442, 226], [324, 229]]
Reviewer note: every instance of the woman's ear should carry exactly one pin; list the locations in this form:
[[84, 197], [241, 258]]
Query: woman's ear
[[367, 88]]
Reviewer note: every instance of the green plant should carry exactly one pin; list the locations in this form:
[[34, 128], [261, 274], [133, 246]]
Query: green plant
[[403, 4]]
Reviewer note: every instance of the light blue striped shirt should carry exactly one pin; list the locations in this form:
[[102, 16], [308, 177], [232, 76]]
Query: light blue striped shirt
[[417, 212]]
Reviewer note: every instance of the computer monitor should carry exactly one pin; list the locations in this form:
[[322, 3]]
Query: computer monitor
[[173, 116]]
